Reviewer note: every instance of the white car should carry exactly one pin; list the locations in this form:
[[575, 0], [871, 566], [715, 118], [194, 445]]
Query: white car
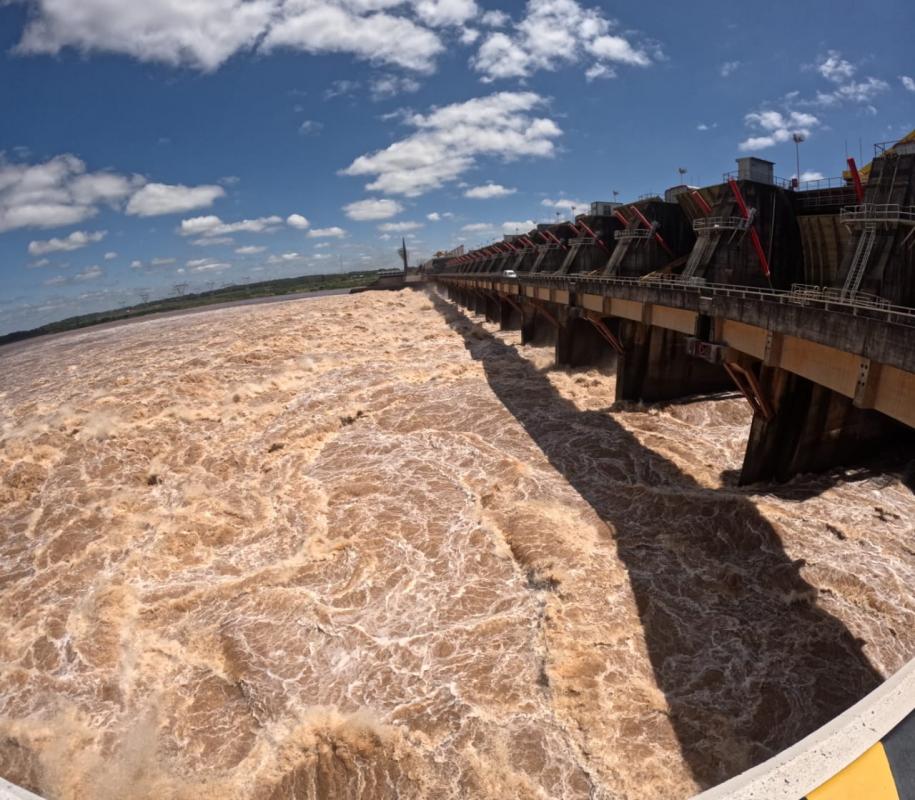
[[509, 273]]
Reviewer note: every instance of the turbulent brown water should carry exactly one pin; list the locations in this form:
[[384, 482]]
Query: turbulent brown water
[[366, 546]]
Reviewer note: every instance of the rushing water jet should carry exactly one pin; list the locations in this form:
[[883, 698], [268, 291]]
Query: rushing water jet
[[364, 546]]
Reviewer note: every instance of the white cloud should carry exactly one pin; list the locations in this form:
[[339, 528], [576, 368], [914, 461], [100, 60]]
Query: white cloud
[[297, 221], [314, 26], [518, 227], [155, 262], [469, 35], [778, 127], [556, 33], [399, 227], [907, 82], [42, 262], [435, 216], [599, 71], [89, 273], [728, 67], [835, 68], [200, 34], [110, 256], [215, 241], [204, 35], [341, 89], [487, 191], [477, 227], [249, 250], [326, 233], [212, 226], [207, 265], [155, 199], [57, 192], [702, 126], [383, 87], [855, 92], [445, 12], [284, 258], [564, 204], [372, 208], [810, 175], [495, 19], [449, 140], [310, 126], [74, 241]]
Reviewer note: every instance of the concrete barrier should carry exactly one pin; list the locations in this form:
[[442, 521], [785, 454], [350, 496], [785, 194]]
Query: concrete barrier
[[866, 753]]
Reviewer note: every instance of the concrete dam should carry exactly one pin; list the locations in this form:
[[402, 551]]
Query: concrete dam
[[560, 517], [800, 297]]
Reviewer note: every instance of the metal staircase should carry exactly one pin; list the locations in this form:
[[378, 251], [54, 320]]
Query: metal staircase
[[576, 245], [859, 262], [616, 257], [696, 257]]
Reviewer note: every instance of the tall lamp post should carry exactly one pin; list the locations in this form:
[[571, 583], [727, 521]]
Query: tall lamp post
[[682, 172], [797, 138]]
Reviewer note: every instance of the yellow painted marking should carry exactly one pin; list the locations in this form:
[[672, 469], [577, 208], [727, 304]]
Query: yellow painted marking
[[895, 389], [746, 338], [821, 364], [675, 319], [628, 309], [869, 777]]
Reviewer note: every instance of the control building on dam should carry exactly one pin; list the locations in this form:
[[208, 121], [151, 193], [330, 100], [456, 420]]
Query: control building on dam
[[800, 296]]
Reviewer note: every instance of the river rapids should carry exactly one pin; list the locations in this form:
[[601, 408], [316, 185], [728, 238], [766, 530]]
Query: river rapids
[[370, 547]]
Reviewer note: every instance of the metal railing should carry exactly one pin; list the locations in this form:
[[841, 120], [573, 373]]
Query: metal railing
[[872, 212], [632, 233], [829, 299], [720, 223], [826, 199], [784, 183], [823, 183], [805, 292]]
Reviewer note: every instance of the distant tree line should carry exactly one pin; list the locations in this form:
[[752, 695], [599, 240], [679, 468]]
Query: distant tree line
[[180, 301]]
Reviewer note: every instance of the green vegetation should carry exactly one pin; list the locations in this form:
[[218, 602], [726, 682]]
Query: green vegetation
[[227, 294]]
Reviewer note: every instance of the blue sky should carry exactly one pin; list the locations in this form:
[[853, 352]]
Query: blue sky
[[146, 144]]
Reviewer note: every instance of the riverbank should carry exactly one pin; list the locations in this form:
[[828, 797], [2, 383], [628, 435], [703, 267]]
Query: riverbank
[[306, 284]]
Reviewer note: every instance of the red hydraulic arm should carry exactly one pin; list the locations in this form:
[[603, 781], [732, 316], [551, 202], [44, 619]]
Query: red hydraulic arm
[[621, 217], [856, 179], [657, 236], [594, 236], [754, 236], [556, 240], [701, 202]]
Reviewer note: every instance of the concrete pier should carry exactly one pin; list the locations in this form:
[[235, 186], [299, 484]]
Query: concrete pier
[[811, 429], [579, 343], [655, 366]]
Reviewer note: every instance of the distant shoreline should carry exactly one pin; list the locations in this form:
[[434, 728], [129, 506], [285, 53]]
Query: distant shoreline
[[266, 291]]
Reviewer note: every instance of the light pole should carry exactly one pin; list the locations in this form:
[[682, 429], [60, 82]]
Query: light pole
[[681, 171], [797, 138]]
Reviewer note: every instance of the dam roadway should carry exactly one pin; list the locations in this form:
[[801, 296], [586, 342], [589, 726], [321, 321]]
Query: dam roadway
[[813, 366]]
